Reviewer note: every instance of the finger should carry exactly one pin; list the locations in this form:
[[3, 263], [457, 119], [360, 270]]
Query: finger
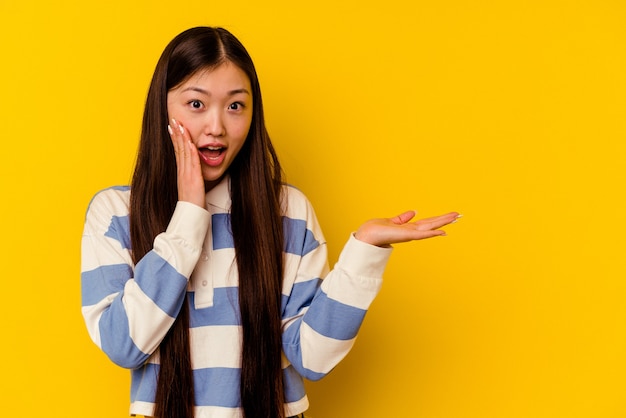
[[172, 138], [191, 159], [183, 138], [178, 154], [433, 233], [403, 217], [412, 235], [452, 215], [426, 233], [437, 221], [175, 135], [194, 157]]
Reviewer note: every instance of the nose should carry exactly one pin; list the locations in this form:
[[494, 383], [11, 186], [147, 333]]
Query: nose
[[214, 123]]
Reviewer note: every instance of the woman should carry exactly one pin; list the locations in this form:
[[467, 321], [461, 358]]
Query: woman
[[205, 280]]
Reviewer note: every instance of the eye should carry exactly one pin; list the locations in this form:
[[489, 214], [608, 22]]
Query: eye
[[196, 104], [235, 106]]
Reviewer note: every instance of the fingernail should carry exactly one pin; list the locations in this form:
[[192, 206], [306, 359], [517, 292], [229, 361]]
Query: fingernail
[[169, 129], [460, 215], [180, 127]]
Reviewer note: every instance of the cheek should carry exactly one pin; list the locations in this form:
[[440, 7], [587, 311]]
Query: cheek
[[172, 110], [237, 132], [242, 130], [193, 128], [242, 134]]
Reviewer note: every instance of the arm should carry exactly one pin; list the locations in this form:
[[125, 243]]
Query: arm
[[332, 310], [129, 309], [327, 321]]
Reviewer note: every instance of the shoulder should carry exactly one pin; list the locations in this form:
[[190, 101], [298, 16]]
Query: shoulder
[[107, 205], [298, 214], [295, 203], [116, 197]]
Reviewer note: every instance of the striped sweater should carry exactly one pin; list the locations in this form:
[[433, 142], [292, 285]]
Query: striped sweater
[[129, 308]]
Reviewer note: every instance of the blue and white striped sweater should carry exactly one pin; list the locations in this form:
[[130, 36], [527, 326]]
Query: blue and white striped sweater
[[128, 309]]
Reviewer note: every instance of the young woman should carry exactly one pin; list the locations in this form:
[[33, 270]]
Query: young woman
[[204, 277]]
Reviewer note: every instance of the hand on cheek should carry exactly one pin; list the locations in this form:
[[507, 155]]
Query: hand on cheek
[[189, 175]]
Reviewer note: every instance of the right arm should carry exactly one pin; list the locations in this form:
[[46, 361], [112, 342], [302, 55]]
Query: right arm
[[129, 309]]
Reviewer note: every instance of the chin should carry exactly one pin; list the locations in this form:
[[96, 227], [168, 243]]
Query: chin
[[213, 176], [212, 181]]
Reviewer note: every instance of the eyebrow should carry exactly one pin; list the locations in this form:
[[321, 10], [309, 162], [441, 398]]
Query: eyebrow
[[203, 91]]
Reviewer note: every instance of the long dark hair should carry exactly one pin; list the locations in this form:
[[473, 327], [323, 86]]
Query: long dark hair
[[255, 222]]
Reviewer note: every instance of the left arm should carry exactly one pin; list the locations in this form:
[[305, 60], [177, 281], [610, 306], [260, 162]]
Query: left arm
[[322, 321]]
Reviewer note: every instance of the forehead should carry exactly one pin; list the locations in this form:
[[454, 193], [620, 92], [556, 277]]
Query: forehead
[[223, 78]]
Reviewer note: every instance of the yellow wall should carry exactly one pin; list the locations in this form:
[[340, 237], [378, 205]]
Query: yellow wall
[[509, 112]]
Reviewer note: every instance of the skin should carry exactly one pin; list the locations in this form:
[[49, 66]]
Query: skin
[[215, 107], [211, 108], [385, 231]]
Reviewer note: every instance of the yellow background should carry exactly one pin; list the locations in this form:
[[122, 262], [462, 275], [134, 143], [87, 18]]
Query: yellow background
[[509, 112]]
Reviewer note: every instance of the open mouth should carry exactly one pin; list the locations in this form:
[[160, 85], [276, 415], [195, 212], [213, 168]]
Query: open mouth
[[212, 153]]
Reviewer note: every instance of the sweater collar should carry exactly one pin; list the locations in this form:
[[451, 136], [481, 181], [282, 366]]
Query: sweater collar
[[219, 196]]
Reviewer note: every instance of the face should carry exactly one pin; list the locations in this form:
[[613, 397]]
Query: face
[[215, 107]]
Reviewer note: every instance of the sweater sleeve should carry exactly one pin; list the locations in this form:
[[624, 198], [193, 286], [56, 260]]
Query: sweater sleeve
[[128, 309], [323, 317]]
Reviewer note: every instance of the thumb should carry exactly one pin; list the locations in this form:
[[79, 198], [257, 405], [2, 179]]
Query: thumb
[[404, 217]]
